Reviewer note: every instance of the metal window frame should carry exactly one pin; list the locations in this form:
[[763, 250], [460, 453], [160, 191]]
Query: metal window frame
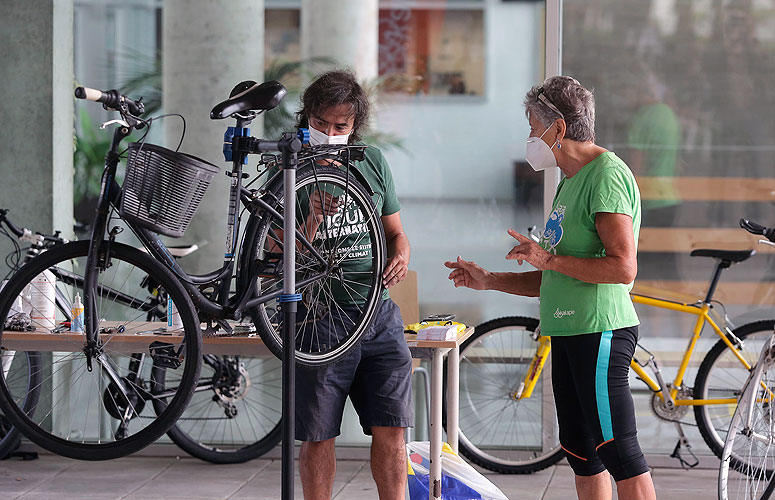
[[552, 67]]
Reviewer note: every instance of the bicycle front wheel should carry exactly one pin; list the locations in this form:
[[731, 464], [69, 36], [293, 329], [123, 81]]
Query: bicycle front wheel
[[748, 457], [236, 411], [339, 275], [96, 407], [498, 430], [722, 376], [10, 438]]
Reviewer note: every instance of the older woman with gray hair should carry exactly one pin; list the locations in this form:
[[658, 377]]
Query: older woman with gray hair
[[586, 264]]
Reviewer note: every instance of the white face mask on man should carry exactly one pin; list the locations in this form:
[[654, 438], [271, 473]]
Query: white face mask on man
[[538, 154], [317, 137]]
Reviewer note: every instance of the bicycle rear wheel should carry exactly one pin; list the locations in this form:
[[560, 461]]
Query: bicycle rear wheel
[[499, 431], [339, 278], [722, 376], [748, 457], [97, 409], [235, 413]]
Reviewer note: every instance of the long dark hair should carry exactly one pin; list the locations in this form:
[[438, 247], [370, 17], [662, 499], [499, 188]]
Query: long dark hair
[[331, 89]]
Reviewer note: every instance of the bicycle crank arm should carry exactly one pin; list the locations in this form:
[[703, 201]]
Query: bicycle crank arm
[[665, 390], [119, 381]]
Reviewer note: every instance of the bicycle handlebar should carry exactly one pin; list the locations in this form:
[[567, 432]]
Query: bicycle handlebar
[[21, 232], [111, 99], [16, 230], [754, 228]]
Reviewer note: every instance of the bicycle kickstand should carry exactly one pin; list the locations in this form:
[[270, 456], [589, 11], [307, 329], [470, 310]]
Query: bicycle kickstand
[[682, 441]]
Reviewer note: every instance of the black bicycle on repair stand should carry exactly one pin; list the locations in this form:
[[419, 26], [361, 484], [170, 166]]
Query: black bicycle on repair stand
[[125, 380]]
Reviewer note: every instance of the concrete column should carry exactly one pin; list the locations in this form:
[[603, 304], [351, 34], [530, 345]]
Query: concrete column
[[208, 47], [345, 31], [36, 62]]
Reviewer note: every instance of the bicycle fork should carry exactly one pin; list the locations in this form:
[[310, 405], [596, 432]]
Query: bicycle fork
[[751, 396], [525, 389]]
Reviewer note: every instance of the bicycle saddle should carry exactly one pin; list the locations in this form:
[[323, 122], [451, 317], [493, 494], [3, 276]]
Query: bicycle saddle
[[730, 255], [250, 96]]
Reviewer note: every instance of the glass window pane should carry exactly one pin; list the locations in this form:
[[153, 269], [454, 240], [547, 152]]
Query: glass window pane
[[680, 89], [281, 36]]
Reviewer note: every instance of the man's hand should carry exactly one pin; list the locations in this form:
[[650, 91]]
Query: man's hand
[[468, 274], [395, 271], [323, 203], [528, 250]]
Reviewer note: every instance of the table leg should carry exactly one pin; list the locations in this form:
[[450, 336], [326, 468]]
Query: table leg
[[453, 396], [7, 360], [434, 481]]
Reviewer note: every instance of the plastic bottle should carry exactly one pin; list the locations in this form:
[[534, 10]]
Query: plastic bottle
[[41, 298], [174, 323], [76, 313], [17, 306]]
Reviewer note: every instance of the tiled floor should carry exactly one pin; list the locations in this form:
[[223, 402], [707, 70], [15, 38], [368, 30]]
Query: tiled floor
[[51, 477]]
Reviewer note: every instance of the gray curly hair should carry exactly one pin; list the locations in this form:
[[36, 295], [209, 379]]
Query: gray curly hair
[[563, 97]]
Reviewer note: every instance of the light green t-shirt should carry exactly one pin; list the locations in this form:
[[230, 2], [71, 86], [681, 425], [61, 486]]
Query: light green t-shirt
[[350, 221], [569, 306], [656, 132]]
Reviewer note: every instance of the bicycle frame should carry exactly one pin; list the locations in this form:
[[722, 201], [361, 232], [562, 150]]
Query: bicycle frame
[[701, 310]]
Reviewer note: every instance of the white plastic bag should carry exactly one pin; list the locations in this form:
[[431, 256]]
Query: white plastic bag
[[459, 481]]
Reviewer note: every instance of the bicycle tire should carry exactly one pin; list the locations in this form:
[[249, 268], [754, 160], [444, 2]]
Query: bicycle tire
[[108, 415], [10, 437], [236, 411], [336, 309], [722, 376], [748, 456], [493, 363]]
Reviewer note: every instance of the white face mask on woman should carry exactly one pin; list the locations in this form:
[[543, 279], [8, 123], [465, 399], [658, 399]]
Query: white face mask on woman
[[538, 154], [317, 137]]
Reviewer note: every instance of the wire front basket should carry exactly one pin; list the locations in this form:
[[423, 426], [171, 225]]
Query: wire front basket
[[163, 188]]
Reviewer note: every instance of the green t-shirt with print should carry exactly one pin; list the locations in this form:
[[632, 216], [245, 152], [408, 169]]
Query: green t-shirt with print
[[569, 306], [356, 245]]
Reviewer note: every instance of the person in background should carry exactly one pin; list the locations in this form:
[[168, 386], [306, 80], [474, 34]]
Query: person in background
[[654, 139], [585, 266]]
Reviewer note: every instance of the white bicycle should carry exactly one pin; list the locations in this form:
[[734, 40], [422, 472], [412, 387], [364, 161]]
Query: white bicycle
[[748, 458]]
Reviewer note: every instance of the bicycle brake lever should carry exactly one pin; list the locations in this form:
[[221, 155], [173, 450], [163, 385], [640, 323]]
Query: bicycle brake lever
[[111, 122]]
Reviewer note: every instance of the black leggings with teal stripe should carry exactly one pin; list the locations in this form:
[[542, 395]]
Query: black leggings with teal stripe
[[594, 403]]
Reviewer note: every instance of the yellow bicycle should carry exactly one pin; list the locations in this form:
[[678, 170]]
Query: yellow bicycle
[[507, 418]]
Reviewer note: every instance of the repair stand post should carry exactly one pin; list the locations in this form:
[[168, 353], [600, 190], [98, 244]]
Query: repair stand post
[[289, 301]]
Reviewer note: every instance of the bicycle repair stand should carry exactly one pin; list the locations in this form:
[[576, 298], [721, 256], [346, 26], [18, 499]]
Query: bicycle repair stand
[[237, 145], [289, 301]]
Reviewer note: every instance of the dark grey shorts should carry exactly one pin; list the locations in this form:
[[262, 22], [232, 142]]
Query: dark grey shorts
[[377, 375]]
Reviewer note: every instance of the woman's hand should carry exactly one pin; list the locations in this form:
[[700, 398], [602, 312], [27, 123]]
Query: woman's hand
[[468, 274], [528, 250]]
